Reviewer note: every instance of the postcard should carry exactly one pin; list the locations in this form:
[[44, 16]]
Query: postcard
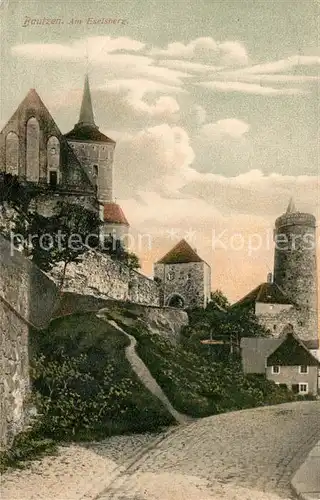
[[159, 250]]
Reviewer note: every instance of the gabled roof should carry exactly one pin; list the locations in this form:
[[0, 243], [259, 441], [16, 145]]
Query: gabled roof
[[180, 254], [113, 214], [255, 351], [268, 293], [33, 106], [291, 350]]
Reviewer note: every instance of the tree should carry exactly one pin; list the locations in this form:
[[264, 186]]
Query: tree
[[227, 324], [115, 249], [218, 299], [64, 237], [16, 194]]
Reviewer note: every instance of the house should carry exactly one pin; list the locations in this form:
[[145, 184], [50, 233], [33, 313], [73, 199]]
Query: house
[[285, 360]]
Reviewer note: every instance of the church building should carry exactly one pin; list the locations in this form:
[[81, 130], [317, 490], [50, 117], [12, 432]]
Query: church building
[[76, 167]]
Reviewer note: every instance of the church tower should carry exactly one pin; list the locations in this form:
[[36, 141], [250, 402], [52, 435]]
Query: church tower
[[295, 265], [95, 151]]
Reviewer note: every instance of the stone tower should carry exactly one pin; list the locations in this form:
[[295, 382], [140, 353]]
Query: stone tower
[[95, 152], [295, 266], [183, 277], [94, 149]]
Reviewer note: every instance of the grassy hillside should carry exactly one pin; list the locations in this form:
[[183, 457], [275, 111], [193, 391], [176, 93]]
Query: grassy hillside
[[194, 383], [86, 384], [83, 387]]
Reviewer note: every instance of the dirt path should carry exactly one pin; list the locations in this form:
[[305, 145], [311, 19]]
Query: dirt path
[[146, 378]]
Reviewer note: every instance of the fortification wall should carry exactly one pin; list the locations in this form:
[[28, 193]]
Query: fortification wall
[[27, 296], [304, 326], [99, 275], [14, 369]]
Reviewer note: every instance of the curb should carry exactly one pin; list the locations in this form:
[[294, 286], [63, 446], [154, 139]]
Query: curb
[[306, 481]]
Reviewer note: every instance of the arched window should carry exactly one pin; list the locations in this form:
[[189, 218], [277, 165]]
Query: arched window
[[12, 153], [53, 161], [95, 170], [33, 143]]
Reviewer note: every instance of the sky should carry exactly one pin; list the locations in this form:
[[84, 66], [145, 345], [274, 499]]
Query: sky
[[214, 106]]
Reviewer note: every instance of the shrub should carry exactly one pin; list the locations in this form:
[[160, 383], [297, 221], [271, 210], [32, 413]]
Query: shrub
[[194, 383]]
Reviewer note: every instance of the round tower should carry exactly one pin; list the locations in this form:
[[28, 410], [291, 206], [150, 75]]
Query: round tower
[[295, 266]]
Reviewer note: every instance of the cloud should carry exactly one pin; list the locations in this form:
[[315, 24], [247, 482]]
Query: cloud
[[230, 126], [273, 78], [188, 66], [95, 47], [283, 65], [229, 53], [232, 220], [104, 53], [148, 157], [248, 88], [134, 90]]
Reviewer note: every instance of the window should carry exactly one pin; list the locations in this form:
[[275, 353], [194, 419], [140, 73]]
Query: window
[[12, 153], [33, 150], [95, 170], [303, 388], [275, 370], [53, 178], [170, 276], [303, 369]]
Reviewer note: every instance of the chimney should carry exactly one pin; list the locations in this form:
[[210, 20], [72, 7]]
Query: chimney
[[270, 278]]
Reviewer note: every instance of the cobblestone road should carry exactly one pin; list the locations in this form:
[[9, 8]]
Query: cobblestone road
[[237, 456], [248, 455]]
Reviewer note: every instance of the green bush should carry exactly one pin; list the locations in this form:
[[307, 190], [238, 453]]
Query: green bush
[[85, 385], [83, 388], [26, 446], [196, 385]]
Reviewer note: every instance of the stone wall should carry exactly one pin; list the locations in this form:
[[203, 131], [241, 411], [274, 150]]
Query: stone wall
[[189, 282], [99, 275], [27, 297], [297, 317], [14, 382]]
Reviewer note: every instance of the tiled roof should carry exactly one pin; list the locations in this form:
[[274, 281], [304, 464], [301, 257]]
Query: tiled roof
[[256, 350], [87, 133], [112, 213], [269, 293], [180, 254]]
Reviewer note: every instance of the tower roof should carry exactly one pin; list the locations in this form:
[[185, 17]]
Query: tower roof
[[86, 130], [291, 207], [113, 214], [86, 112], [181, 253]]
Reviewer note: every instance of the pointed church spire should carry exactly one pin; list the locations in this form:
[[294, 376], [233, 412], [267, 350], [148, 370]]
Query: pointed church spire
[[86, 113], [291, 207]]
